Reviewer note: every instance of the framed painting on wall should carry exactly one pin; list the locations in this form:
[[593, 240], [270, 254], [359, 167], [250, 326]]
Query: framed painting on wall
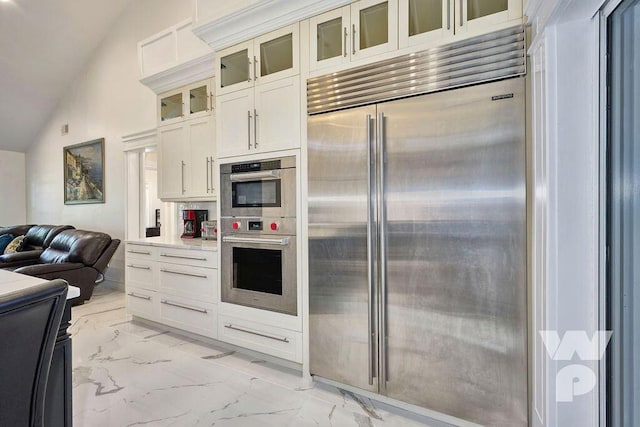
[[84, 172]]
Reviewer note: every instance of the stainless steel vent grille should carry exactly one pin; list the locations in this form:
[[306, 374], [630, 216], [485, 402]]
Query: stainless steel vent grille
[[488, 57]]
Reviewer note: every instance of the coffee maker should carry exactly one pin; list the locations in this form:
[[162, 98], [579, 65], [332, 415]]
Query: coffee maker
[[192, 219]]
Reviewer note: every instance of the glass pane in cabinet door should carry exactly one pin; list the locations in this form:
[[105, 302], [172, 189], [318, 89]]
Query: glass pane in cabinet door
[[198, 99], [171, 107], [424, 16], [374, 25], [234, 68], [479, 8], [276, 55], [329, 39]]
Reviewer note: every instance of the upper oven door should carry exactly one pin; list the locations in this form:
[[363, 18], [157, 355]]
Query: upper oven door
[[260, 193]]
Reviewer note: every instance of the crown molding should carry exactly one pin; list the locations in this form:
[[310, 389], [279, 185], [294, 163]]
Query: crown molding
[[137, 140], [260, 18], [199, 68]]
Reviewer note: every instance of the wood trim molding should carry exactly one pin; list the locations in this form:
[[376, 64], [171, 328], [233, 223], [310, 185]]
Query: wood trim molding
[[260, 18], [183, 74], [137, 140]]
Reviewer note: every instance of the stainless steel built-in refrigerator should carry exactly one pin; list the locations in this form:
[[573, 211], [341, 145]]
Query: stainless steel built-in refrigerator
[[417, 243]]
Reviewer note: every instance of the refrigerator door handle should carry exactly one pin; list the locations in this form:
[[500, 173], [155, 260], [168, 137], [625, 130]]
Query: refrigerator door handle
[[370, 262], [383, 256]]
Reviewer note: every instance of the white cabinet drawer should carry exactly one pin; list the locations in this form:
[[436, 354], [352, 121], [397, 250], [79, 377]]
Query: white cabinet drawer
[[197, 283], [141, 274], [281, 343], [206, 259], [142, 303], [193, 316], [140, 252]]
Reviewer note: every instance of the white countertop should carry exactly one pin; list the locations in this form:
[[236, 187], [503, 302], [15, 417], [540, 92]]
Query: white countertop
[[11, 282], [176, 242]]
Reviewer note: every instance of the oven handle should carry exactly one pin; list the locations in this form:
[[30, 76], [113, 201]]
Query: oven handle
[[256, 240], [252, 176]]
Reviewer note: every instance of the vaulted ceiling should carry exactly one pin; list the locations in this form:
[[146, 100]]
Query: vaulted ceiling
[[44, 45]]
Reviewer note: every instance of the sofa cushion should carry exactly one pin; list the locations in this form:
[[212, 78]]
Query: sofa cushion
[[5, 239], [14, 246], [40, 236], [76, 246]]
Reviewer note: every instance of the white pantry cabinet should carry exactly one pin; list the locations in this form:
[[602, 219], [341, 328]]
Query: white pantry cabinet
[[258, 102]]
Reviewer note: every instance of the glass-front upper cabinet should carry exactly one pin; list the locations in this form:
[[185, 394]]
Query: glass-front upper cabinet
[[188, 102], [478, 16], [170, 107], [424, 21], [374, 27], [363, 29], [329, 43], [266, 58]]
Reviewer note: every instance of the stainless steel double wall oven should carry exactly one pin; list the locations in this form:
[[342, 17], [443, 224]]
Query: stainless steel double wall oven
[[258, 227]]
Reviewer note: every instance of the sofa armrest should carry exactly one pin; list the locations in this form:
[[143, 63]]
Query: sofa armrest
[[21, 256], [44, 269]]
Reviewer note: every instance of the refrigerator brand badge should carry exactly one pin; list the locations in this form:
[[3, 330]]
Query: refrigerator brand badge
[[499, 97]]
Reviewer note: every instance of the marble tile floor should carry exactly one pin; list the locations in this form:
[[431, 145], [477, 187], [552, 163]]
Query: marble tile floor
[[129, 374]]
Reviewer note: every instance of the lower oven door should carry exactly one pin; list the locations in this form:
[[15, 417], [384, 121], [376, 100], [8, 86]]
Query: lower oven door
[[260, 271]]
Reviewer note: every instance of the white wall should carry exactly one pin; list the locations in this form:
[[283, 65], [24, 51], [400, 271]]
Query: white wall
[[12, 191], [106, 100]]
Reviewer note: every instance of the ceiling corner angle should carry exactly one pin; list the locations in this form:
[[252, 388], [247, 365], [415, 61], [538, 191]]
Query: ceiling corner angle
[[260, 18], [187, 72]]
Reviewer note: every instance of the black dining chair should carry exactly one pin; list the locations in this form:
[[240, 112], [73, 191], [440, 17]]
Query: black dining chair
[[29, 323]]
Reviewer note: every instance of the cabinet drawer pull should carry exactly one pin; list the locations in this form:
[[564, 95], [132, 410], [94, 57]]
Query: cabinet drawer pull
[[144, 297], [449, 14], [201, 276], [139, 267], [461, 13], [186, 307], [139, 252], [249, 69], [260, 334], [183, 257]]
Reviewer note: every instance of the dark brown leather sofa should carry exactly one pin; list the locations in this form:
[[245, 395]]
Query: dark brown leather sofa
[[36, 239], [77, 256]]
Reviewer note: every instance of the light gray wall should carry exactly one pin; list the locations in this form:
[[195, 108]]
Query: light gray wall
[[106, 100], [12, 188]]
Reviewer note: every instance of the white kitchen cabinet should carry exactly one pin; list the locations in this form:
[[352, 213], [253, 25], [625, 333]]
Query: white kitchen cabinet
[[143, 303], [279, 342], [371, 27], [422, 22], [479, 16], [264, 59], [188, 102], [259, 100], [260, 120], [174, 286], [363, 29], [171, 164], [186, 160]]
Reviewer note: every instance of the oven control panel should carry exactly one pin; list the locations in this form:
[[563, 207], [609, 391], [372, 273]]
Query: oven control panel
[[277, 226]]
